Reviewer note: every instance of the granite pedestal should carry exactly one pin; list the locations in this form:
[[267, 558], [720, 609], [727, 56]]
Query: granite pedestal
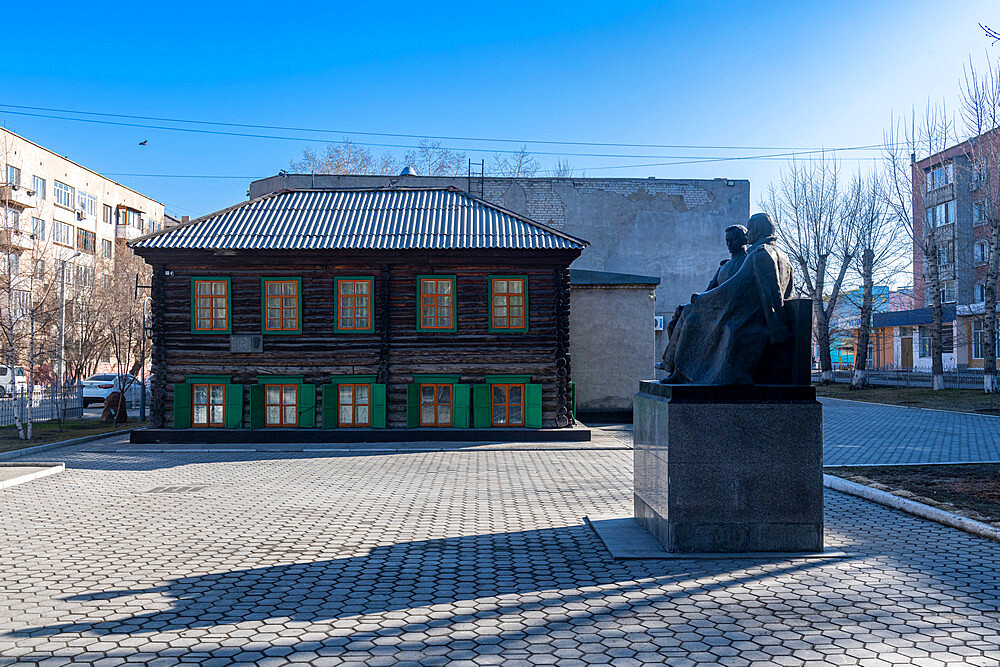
[[729, 469]]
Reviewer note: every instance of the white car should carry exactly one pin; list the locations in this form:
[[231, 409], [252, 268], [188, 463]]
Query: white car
[[97, 387], [17, 380]]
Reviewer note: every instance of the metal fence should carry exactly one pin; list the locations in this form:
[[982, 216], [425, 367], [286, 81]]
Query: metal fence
[[953, 379], [46, 403]]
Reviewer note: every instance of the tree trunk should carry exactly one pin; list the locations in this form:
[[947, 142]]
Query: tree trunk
[[933, 278], [860, 377], [990, 314], [823, 342]]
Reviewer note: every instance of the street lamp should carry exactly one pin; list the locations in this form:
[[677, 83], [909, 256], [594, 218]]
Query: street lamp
[[62, 321]]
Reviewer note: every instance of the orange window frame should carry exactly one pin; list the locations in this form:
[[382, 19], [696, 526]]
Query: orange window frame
[[353, 404], [281, 405], [434, 301], [437, 404], [506, 405], [501, 299], [349, 302], [282, 306], [211, 306], [208, 404]]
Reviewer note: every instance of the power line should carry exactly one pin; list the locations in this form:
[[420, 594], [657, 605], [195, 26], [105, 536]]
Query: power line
[[424, 136]]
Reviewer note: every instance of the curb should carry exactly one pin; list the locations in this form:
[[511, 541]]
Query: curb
[[50, 469], [909, 407], [18, 453], [912, 507]]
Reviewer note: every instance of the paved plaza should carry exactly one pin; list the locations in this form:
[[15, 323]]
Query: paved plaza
[[463, 557]]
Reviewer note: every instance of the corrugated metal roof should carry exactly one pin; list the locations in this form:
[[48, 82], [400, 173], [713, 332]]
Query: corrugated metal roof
[[373, 219], [910, 318]]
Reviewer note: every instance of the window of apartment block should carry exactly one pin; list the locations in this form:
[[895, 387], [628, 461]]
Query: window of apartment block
[[981, 252], [508, 303], [84, 276], [11, 217], [106, 247], [436, 303], [282, 305], [86, 241], [38, 185], [940, 176], [946, 253], [948, 291], [12, 263], [353, 304], [63, 233], [942, 214], [38, 228], [13, 175], [107, 214], [210, 305], [87, 203], [979, 213], [38, 270], [977, 338], [208, 405], [980, 293], [131, 217], [64, 194]]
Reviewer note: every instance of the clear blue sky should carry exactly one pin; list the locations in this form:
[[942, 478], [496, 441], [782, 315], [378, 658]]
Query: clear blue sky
[[719, 73]]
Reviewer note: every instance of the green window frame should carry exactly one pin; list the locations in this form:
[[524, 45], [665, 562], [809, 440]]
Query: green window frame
[[437, 303], [298, 306], [482, 401], [306, 398], [461, 402], [506, 297], [229, 305], [377, 405], [233, 400], [337, 304]]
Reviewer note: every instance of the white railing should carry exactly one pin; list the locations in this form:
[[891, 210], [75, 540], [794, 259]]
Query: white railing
[[47, 403]]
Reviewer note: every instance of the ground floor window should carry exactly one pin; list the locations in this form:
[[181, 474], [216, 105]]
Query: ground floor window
[[208, 403], [435, 404], [354, 404], [507, 404], [281, 405]]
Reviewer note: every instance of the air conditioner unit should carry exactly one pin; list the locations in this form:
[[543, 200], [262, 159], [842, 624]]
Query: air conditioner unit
[[80, 214], [657, 322]]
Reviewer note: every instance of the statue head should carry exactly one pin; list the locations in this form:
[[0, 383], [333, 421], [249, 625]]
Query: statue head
[[759, 227], [736, 238]]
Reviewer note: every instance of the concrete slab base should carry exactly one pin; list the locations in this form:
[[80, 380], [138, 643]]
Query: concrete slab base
[[12, 474]]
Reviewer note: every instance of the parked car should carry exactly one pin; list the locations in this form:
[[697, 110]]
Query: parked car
[[16, 380], [97, 387]]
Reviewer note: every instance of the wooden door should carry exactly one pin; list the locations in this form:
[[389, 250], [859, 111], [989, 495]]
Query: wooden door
[[906, 352]]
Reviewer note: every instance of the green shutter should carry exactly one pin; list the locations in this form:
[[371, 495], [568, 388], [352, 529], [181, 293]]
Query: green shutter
[[481, 406], [330, 419], [460, 405], [533, 405], [412, 405], [182, 405], [378, 406], [234, 406], [256, 406], [307, 405]]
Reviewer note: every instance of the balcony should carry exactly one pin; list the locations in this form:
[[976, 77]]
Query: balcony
[[15, 195], [127, 232]]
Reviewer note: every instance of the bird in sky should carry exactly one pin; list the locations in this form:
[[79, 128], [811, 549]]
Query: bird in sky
[[143, 142]]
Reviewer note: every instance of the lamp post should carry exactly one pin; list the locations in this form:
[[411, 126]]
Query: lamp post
[[62, 322]]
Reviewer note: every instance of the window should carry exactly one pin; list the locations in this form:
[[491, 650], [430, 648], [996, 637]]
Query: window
[[11, 218], [128, 216], [979, 213], [84, 276], [12, 263], [940, 176], [435, 404], [86, 241], [925, 342], [64, 270], [22, 304], [106, 248], [948, 291], [64, 194], [946, 253], [281, 405], [38, 270], [63, 234], [108, 214], [436, 303], [942, 214], [281, 305], [86, 203], [208, 405], [354, 404], [508, 303], [38, 228], [507, 404], [354, 304], [38, 185], [13, 175], [211, 305], [981, 252]]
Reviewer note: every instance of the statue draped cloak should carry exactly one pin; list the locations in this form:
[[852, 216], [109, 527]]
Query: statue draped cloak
[[722, 335]]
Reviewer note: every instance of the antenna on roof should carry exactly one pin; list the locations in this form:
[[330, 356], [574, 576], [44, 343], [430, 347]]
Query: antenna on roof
[[480, 176]]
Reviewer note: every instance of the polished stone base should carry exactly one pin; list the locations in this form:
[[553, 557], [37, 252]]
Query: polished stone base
[[729, 469]]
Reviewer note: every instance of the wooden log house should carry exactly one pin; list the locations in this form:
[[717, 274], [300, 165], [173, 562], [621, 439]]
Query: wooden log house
[[376, 308]]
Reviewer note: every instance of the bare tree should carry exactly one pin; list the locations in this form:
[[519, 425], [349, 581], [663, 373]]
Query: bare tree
[[433, 159], [808, 209], [519, 164], [123, 320], [345, 157], [882, 249], [903, 143], [563, 169]]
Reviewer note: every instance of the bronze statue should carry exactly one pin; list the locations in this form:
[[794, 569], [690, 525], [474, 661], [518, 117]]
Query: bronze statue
[[720, 337]]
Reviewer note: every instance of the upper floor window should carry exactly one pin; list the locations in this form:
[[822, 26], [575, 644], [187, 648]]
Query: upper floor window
[[948, 294], [282, 301], [38, 228], [108, 214], [981, 252], [13, 175], [11, 218], [980, 293], [38, 185], [942, 214], [63, 233], [86, 203], [436, 303], [946, 253], [64, 194], [86, 241], [211, 305], [131, 217], [106, 248], [979, 213], [940, 176], [353, 304], [508, 303]]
